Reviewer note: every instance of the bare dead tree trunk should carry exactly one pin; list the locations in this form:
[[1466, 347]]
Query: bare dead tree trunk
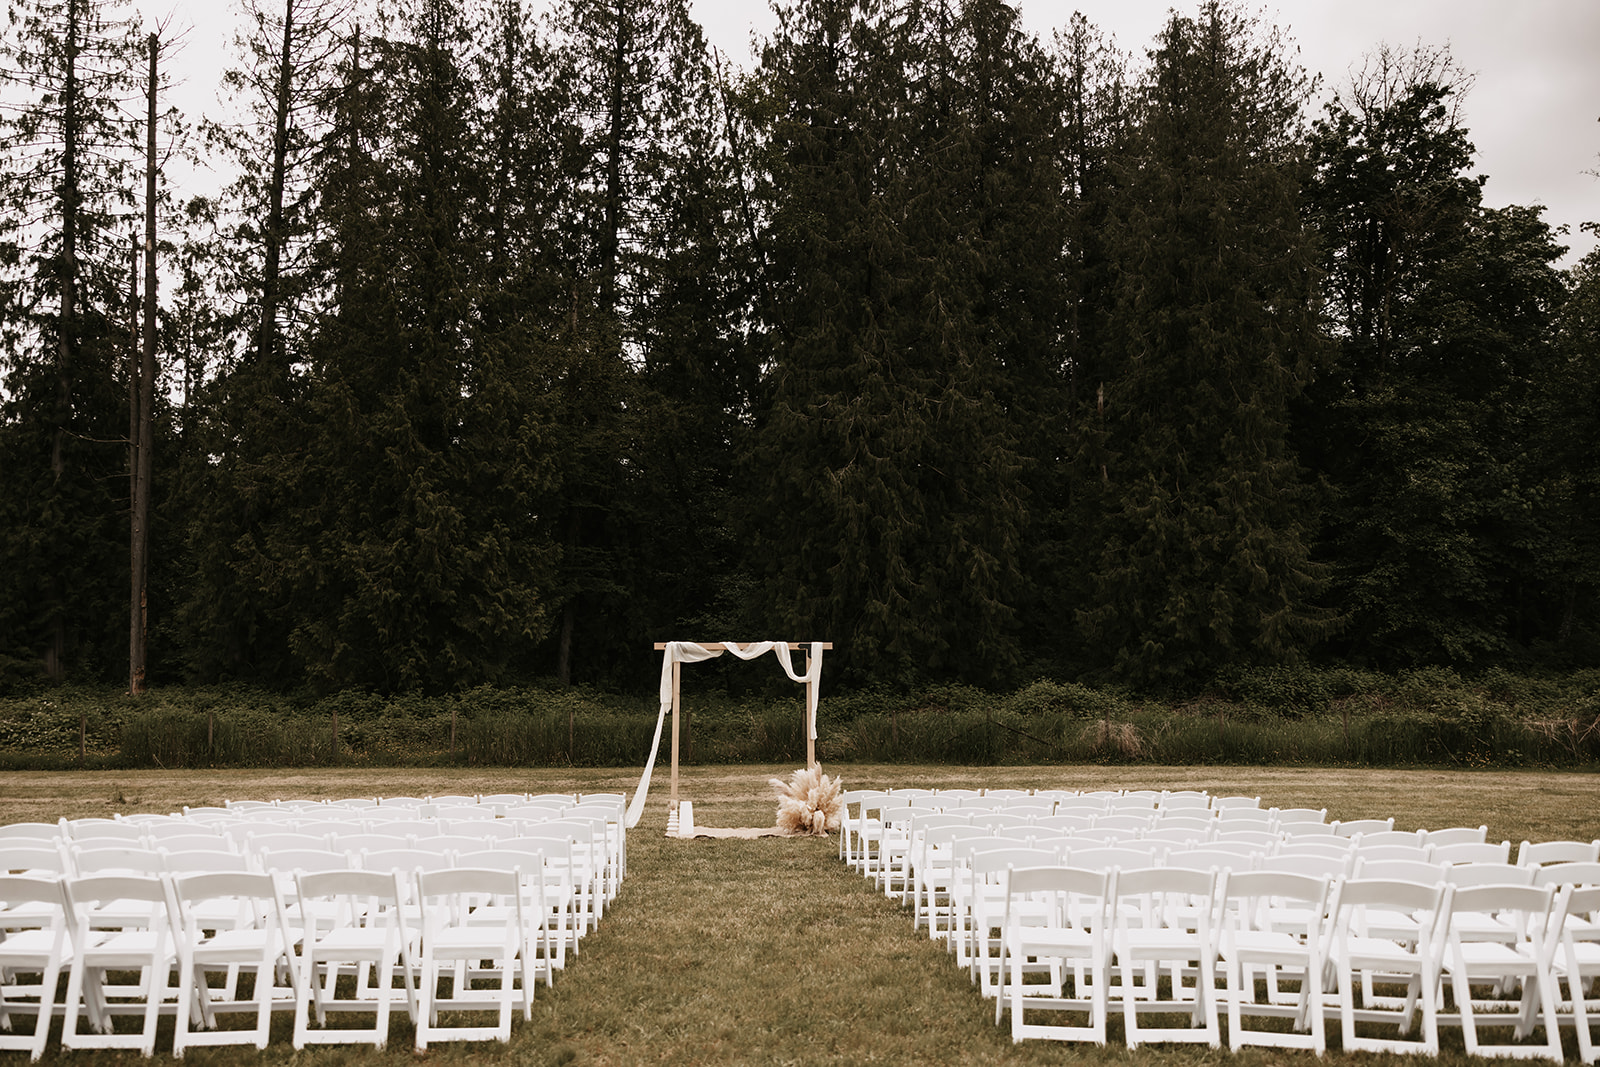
[[272, 269], [144, 447], [55, 657]]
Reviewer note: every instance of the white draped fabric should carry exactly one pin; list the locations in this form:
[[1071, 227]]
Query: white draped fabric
[[689, 652]]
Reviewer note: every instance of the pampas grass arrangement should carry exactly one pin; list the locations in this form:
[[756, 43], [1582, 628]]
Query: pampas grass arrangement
[[808, 803]]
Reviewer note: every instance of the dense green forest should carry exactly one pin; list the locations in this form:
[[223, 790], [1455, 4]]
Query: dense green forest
[[516, 342]]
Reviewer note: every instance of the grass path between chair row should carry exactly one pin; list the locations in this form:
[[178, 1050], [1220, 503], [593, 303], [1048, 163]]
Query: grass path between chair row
[[769, 950]]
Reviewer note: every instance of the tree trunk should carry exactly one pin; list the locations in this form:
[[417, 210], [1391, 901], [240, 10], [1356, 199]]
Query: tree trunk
[[67, 276], [271, 269], [144, 447]]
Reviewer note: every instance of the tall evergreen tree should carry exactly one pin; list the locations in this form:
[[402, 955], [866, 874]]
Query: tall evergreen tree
[[1204, 559], [914, 237], [68, 67], [1441, 313], [654, 393], [1573, 393], [266, 283], [1093, 130], [413, 557]]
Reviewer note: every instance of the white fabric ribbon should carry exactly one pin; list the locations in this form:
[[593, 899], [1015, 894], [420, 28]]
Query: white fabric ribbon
[[689, 652]]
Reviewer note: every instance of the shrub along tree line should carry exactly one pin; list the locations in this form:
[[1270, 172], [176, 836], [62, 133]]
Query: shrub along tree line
[[516, 343], [1269, 716]]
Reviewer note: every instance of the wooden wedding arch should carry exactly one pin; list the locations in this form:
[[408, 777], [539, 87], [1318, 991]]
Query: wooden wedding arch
[[676, 653]]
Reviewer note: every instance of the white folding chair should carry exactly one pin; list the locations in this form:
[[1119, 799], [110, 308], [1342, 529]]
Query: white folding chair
[[1201, 824], [33, 859], [1363, 851], [1164, 918], [103, 832], [549, 858], [1327, 845], [92, 858], [258, 841], [1056, 916], [930, 868], [611, 808], [352, 920], [502, 799], [33, 942], [1470, 852], [359, 842], [1133, 823], [1276, 922], [591, 861], [1539, 853], [1264, 841], [851, 826], [1457, 835], [1104, 857], [232, 920], [901, 836], [30, 831], [477, 951], [1351, 827], [1204, 859], [120, 922], [1244, 818], [981, 911], [1397, 870], [1578, 961], [539, 915], [1560, 874], [1502, 963], [891, 839], [1356, 947]]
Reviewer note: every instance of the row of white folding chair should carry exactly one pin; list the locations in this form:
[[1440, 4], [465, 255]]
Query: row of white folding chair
[[592, 869], [359, 803], [858, 826], [252, 835], [573, 887], [965, 882], [200, 923], [1274, 921]]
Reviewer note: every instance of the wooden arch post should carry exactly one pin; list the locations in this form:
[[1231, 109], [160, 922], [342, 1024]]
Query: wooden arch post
[[812, 687]]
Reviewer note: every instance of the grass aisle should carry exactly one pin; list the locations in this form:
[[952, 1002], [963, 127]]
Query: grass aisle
[[762, 951]]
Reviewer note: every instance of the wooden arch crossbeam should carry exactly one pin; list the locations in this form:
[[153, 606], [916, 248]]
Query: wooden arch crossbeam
[[679, 652]]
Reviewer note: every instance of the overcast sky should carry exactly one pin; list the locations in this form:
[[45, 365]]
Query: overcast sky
[[1533, 113]]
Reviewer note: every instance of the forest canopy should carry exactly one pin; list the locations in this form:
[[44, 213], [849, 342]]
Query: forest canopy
[[516, 341]]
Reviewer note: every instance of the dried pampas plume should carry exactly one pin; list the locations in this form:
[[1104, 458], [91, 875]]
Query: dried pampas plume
[[808, 803]]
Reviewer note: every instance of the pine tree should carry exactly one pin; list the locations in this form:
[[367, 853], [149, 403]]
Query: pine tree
[[264, 284], [1572, 440], [652, 394], [914, 237], [411, 556], [69, 72], [1441, 314], [1204, 559]]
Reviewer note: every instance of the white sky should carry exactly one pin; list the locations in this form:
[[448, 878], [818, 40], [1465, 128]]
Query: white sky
[[1534, 112]]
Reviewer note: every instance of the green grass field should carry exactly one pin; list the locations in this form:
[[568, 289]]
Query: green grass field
[[770, 950]]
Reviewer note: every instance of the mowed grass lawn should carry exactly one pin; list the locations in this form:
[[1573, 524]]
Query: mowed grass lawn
[[770, 951]]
